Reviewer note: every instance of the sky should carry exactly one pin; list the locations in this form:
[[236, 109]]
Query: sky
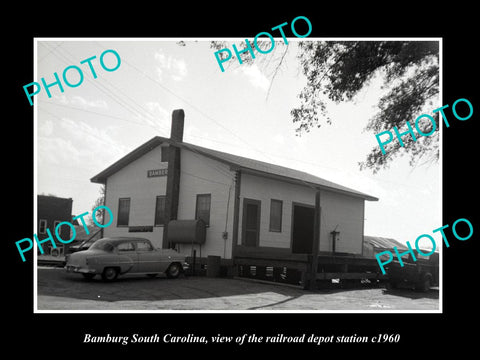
[[85, 129]]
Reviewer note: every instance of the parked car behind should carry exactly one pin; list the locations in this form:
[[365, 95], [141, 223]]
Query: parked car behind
[[421, 274], [110, 257], [81, 245]]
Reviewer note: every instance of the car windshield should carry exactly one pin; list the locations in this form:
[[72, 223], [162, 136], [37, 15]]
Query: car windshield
[[102, 245]]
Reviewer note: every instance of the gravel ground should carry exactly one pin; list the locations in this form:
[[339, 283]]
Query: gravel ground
[[58, 290]]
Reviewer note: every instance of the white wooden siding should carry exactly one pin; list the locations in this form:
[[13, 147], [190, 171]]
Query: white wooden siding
[[263, 189], [344, 210], [202, 175], [132, 182]]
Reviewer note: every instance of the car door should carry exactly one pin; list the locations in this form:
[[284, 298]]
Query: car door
[[148, 258], [127, 257]]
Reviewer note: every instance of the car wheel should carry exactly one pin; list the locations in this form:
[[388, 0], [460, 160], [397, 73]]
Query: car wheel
[[173, 271], [424, 285], [109, 274], [88, 276]]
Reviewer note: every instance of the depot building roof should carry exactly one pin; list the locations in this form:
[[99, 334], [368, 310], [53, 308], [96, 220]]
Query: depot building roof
[[236, 162]]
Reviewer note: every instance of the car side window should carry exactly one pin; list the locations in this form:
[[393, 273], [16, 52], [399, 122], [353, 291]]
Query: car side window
[[107, 247], [126, 246], [144, 246]]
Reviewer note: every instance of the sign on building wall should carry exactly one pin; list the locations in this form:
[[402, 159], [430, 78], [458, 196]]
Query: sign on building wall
[[146, 228], [157, 172]]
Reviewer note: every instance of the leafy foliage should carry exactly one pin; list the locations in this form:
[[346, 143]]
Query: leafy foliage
[[99, 202], [338, 70]]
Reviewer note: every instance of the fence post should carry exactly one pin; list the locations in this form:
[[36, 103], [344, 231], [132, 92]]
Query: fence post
[[307, 273], [194, 260]]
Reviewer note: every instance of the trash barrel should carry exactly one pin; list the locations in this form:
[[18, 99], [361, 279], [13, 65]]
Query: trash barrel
[[213, 266]]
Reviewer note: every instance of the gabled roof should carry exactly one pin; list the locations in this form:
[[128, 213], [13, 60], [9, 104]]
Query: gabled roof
[[101, 177], [237, 163]]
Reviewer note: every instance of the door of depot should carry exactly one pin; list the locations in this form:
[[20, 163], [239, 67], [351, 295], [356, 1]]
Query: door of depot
[[302, 229], [251, 222]]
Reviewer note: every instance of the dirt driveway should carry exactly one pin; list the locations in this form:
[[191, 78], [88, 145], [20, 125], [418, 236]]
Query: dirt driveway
[[58, 290]]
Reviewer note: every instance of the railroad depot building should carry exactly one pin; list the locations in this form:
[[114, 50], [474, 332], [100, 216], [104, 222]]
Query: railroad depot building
[[247, 206]]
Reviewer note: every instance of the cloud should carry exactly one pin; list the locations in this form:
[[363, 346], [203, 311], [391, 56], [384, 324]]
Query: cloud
[[155, 116], [55, 151], [199, 137], [176, 68], [91, 139], [279, 138], [77, 144], [157, 110], [256, 77], [99, 104], [81, 102], [45, 127]]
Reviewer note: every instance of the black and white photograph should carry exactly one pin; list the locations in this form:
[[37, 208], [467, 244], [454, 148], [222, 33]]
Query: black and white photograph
[[213, 189], [253, 184]]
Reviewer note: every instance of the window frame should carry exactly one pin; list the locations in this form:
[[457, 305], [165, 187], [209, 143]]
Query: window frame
[[209, 195], [55, 224], [139, 248], [118, 212], [120, 245], [270, 227], [44, 221], [258, 222], [164, 197]]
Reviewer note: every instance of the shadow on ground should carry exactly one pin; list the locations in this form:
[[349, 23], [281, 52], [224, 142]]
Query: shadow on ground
[[56, 282], [411, 294]]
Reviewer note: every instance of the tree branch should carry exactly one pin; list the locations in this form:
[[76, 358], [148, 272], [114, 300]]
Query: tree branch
[[276, 70]]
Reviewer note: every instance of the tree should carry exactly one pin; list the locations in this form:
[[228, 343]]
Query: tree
[[339, 70], [100, 202]]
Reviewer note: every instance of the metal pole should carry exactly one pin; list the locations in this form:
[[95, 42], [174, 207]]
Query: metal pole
[[316, 244], [193, 265]]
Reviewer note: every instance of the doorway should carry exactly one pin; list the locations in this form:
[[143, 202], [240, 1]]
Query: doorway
[[251, 222], [303, 217]]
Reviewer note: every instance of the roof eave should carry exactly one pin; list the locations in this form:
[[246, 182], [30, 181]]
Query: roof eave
[[304, 183], [101, 177]]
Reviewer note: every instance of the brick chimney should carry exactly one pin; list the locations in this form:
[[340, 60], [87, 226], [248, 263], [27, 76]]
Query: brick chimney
[[176, 132], [173, 176]]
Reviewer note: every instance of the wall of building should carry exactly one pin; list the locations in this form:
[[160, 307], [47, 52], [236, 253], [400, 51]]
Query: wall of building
[[202, 175], [336, 209], [132, 182], [263, 189], [346, 215], [199, 175], [54, 210]]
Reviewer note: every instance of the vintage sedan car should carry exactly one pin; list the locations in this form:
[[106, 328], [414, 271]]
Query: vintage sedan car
[[110, 257]]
